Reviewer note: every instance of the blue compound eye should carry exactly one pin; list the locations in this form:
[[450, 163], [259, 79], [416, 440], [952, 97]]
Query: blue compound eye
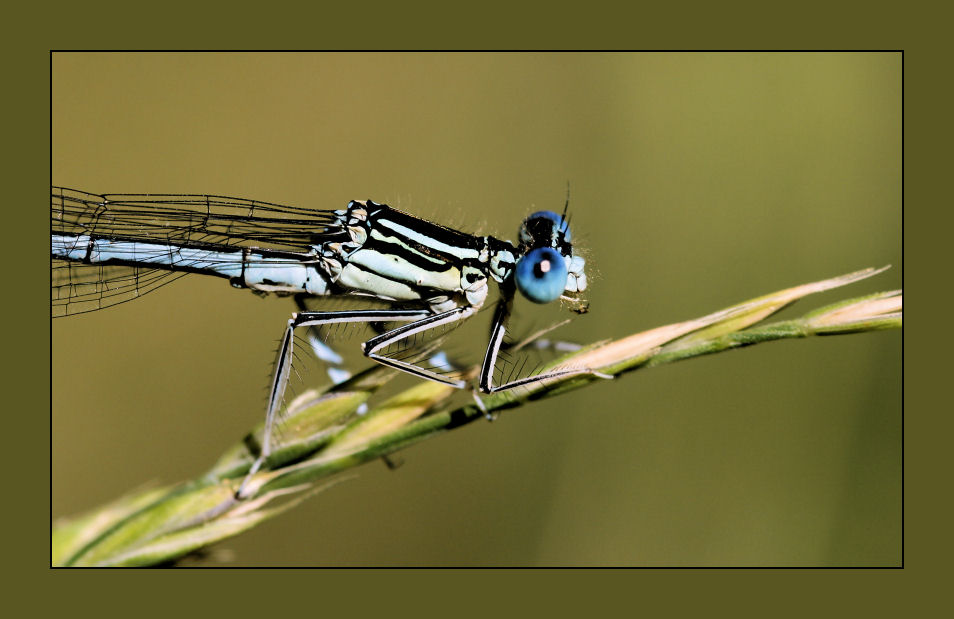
[[541, 275]]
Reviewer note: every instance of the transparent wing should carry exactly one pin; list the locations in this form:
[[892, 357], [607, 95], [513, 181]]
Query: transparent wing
[[79, 288], [215, 223], [190, 219]]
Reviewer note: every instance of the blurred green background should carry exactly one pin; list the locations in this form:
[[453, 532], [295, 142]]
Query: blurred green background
[[697, 181]]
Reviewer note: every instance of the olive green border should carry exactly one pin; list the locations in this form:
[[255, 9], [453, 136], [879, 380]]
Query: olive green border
[[397, 25]]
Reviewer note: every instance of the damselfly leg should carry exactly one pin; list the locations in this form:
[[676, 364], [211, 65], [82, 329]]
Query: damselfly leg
[[315, 320], [497, 333]]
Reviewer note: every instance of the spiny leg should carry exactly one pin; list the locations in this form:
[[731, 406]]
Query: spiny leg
[[323, 351], [497, 332], [284, 362], [375, 344]]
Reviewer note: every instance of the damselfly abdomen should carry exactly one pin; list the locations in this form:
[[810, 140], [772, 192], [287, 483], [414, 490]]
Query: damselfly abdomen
[[111, 248]]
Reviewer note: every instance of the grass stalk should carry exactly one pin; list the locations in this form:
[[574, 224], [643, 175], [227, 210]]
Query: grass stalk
[[323, 433]]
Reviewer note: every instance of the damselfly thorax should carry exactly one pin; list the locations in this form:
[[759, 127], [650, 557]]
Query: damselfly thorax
[[108, 249]]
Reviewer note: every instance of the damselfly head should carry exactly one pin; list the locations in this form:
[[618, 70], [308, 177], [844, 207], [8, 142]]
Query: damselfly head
[[548, 270]]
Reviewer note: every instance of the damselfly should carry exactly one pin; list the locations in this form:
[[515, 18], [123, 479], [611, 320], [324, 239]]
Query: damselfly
[[111, 248]]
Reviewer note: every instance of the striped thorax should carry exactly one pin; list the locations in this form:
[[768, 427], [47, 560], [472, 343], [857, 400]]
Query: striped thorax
[[393, 255]]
